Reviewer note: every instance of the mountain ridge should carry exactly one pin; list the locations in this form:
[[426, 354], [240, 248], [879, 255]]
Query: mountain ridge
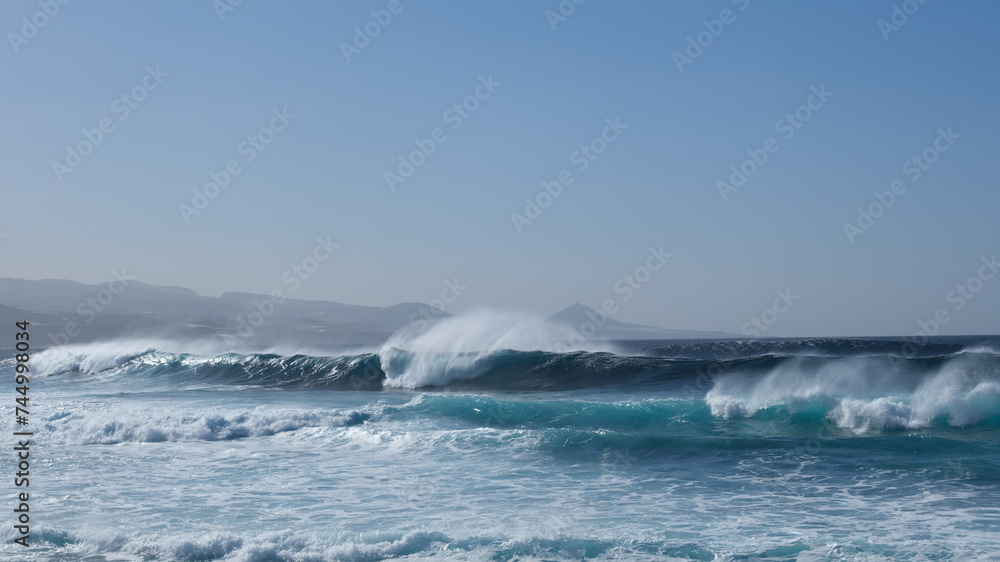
[[578, 315], [70, 311]]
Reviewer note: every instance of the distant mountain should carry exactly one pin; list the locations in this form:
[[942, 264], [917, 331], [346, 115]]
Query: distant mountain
[[60, 308], [69, 312], [577, 315]]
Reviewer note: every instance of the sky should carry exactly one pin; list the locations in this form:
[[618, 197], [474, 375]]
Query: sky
[[646, 110]]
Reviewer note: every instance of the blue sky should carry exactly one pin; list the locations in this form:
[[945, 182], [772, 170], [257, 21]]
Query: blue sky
[[219, 81]]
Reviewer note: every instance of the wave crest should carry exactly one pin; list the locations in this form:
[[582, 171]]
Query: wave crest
[[870, 394], [107, 427]]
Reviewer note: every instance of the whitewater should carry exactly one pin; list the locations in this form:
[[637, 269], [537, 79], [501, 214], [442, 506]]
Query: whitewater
[[505, 440]]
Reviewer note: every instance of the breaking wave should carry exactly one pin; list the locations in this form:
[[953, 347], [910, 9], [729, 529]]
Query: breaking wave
[[863, 385]]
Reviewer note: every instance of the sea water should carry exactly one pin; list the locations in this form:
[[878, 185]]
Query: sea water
[[813, 449]]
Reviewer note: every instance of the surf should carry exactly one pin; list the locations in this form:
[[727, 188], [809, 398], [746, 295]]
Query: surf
[[863, 385]]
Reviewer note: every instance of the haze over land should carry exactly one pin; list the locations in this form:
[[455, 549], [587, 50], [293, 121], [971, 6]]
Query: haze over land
[[65, 312]]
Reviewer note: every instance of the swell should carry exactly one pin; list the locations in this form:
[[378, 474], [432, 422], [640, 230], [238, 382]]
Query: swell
[[664, 434], [346, 372], [676, 416], [649, 423], [861, 392], [509, 370], [499, 371]]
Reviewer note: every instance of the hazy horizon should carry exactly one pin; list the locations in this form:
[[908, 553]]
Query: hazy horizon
[[630, 145], [749, 329]]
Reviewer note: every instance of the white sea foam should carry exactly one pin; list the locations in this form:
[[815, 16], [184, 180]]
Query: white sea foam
[[868, 394], [454, 348], [93, 358], [283, 546], [102, 424], [878, 415]]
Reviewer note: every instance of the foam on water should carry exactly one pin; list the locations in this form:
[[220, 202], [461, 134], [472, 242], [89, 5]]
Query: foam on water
[[455, 348], [90, 358], [870, 393], [733, 450], [104, 423]]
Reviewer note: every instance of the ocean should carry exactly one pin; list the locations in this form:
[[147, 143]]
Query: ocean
[[798, 449]]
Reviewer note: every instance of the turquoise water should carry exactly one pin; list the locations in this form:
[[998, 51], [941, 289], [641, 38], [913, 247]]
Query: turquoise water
[[808, 450]]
